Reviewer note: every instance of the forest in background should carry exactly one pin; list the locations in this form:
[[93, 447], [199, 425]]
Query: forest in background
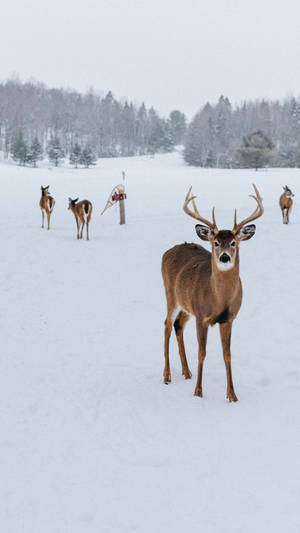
[[37, 121], [216, 133], [32, 113]]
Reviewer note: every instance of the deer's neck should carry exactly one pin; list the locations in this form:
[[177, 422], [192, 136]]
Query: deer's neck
[[225, 284]]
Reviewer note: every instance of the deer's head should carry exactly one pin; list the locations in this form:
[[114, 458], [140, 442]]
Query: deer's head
[[72, 203], [224, 243], [287, 191], [44, 190]]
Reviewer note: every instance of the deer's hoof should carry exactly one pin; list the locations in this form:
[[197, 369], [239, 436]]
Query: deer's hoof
[[167, 378], [187, 373], [232, 397], [198, 392]]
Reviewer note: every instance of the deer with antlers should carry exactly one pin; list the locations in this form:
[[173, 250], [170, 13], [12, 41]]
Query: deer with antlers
[[207, 285], [47, 204], [82, 212], [286, 203]]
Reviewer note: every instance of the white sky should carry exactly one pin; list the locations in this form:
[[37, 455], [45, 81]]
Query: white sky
[[172, 54]]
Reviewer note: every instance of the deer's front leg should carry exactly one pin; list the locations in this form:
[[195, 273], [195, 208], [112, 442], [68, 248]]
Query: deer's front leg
[[202, 338], [225, 332]]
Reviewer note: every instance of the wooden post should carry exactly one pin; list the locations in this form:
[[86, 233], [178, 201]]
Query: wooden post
[[122, 211]]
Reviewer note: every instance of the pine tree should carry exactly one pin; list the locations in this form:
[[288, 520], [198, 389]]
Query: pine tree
[[35, 153], [55, 151], [75, 155], [20, 149], [87, 157], [256, 150], [199, 138], [210, 160], [177, 123]]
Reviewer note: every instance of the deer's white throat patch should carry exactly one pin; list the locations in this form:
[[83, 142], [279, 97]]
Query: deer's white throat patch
[[225, 266]]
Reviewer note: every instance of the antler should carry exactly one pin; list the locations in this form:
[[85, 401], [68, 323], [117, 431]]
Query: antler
[[256, 213], [195, 214]]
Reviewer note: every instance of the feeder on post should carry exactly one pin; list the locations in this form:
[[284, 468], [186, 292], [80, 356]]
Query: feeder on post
[[117, 195]]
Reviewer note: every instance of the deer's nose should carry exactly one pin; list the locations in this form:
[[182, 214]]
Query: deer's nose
[[224, 258]]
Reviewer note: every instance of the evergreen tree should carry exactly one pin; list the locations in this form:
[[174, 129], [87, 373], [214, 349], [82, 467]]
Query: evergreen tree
[[87, 157], [210, 160], [20, 149], [75, 155], [158, 135], [177, 124], [200, 137], [142, 129], [287, 158], [296, 154], [256, 150], [55, 151], [35, 153]]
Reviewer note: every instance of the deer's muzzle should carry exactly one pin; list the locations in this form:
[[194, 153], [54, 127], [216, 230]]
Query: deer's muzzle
[[224, 258]]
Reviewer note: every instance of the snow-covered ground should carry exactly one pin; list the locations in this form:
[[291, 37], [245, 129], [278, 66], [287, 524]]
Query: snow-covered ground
[[91, 439]]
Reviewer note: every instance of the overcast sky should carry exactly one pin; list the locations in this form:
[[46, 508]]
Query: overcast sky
[[172, 54]]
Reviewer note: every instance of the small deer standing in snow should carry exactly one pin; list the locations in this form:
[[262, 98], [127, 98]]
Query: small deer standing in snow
[[47, 204], [82, 212], [286, 203]]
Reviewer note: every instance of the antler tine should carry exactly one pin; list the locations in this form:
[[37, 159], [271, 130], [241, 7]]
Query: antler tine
[[195, 214], [213, 217], [258, 211]]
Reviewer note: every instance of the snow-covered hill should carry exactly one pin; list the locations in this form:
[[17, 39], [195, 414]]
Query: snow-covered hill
[[91, 439]]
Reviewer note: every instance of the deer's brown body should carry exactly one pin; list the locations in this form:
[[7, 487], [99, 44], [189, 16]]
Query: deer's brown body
[[47, 204], [286, 203], [207, 286], [82, 212]]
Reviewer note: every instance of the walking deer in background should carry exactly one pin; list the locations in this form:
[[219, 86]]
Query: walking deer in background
[[286, 203], [47, 204], [207, 285], [82, 212]]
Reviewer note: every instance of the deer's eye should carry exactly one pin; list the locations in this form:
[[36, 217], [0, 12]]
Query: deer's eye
[[216, 244], [232, 244]]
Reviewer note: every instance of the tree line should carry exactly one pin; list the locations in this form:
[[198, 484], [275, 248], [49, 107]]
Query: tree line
[[229, 137], [36, 121]]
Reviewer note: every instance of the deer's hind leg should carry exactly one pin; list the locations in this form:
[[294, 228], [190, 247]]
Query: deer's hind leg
[[87, 229], [179, 326], [171, 303], [43, 217], [78, 226], [48, 218], [82, 226]]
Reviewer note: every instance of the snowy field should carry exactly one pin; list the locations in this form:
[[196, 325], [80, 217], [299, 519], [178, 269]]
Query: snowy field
[[91, 439]]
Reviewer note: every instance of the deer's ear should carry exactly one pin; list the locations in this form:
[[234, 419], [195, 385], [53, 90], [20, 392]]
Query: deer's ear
[[246, 232], [76, 200], [204, 232]]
